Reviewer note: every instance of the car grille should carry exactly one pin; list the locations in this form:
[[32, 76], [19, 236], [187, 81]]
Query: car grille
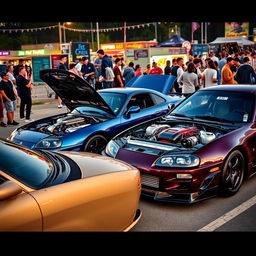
[[149, 180]]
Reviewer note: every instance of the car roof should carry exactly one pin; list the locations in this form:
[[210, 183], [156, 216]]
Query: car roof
[[234, 88]]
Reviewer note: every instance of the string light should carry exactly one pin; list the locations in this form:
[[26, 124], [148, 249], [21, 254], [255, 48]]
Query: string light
[[79, 30]]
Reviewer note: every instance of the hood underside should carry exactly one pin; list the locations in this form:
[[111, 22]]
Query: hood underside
[[73, 90]]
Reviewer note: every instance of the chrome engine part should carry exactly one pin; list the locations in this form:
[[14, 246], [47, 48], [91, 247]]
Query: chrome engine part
[[188, 136], [65, 124]]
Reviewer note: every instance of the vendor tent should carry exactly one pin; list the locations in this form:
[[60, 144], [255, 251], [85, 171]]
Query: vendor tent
[[174, 41], [241, 41]]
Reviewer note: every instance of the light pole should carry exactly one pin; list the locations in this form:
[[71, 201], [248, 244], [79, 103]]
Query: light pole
[[64, 30], [60, 34], [98, 36]]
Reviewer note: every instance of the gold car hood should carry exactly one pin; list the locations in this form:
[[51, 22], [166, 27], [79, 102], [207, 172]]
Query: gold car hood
[[93, 164]]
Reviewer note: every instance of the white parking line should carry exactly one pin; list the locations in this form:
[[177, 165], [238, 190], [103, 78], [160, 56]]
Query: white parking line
[[229, 215]]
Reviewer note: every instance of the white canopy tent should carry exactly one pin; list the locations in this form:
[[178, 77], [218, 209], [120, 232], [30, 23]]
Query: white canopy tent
[[241, 41]]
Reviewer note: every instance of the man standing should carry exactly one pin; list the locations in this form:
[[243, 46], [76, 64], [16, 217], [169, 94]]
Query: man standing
[[88, 71], [62, 66], [227, 77], [106, 70], [9, 97], [167, 69], [155, 70], [177, 71], [118, 80], [129, 72], [17, 67], [245, 72], [24, 88], [79, 66]]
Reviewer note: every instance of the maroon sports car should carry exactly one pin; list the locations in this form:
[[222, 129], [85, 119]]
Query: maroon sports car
[[204, 147]]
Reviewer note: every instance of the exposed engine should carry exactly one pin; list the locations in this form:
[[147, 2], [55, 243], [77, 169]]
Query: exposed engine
[[187, 135], [61, 125], [161, 137]]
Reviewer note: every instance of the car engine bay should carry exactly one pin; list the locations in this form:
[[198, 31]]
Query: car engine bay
[[62, 124], [160, 137]]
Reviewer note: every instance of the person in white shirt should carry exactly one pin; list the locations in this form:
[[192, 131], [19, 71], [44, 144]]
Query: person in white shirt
[[209, 76], [79, 66], [189, 80], [213, 57]]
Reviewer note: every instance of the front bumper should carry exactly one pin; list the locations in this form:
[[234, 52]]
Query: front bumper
[[135, 220], [182, 198]]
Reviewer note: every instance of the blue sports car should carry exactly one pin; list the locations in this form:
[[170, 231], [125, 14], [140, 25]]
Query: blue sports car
[[94, 117]]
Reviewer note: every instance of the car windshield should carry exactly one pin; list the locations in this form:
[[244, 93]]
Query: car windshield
[[24, 165], [222, 106], [114, 100]]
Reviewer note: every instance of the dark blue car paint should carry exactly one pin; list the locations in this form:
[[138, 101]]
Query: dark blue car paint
[[75, 141]]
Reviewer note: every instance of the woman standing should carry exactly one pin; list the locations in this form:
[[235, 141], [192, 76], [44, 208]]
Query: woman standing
[[209, 76], [188, 80]]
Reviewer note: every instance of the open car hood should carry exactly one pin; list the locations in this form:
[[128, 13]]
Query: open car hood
[[161, 83], [73, 90]]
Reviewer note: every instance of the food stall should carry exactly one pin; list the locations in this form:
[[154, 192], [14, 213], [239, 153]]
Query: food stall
[[233, 44]]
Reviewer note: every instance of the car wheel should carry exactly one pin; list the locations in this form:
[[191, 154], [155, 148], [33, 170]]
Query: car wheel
[[95, 144], [233, 173]]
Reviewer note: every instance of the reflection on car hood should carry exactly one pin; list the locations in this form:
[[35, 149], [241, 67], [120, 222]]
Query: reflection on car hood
[[93, 164], [160, 83], [73, 90]]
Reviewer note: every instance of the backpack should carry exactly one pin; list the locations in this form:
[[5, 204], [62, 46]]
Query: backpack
[[109, 74]]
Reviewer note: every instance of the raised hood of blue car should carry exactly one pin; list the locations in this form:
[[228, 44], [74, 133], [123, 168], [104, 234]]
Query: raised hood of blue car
[[160, 83], [73, 90]]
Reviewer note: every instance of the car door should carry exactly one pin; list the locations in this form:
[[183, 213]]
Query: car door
[[19, 212], [149, 109]]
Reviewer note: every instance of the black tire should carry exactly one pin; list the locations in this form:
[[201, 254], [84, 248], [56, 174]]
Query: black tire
[[95, 144], [233, 174]]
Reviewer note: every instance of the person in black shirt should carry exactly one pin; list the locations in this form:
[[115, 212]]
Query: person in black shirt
[[167, 69], [62, 66], [88, 71], [9, 97], [245, 73], [17, 67], [24, 88]]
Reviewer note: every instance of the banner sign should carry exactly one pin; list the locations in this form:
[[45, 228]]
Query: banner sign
[[4, 53], [32, 52], [236, 29], [39, 63], [79, 50], [140, 54]]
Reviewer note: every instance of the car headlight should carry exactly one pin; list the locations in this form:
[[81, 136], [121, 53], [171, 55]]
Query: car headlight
[[178, 161], [112, 149], [49, 143]]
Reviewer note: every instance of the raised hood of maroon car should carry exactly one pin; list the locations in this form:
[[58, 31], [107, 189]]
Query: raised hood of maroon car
[[73, 90]]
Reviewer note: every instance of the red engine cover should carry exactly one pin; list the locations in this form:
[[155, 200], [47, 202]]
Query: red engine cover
[[172, 135]]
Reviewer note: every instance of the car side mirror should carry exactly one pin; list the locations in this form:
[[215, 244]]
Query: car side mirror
[[9, 189], [133, 109]]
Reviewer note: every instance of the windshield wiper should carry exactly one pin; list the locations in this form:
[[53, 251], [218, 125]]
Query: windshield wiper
[[213, 118]]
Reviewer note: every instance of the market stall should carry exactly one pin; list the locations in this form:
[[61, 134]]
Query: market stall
[[233, 44]]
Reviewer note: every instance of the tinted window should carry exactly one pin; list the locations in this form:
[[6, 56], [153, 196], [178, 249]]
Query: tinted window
[[231, 106], [142, 100], [24, 165], [157, 99], [114, 100]]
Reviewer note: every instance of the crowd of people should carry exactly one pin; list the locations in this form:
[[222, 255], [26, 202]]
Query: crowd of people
[[198, 72], [16, 85]]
